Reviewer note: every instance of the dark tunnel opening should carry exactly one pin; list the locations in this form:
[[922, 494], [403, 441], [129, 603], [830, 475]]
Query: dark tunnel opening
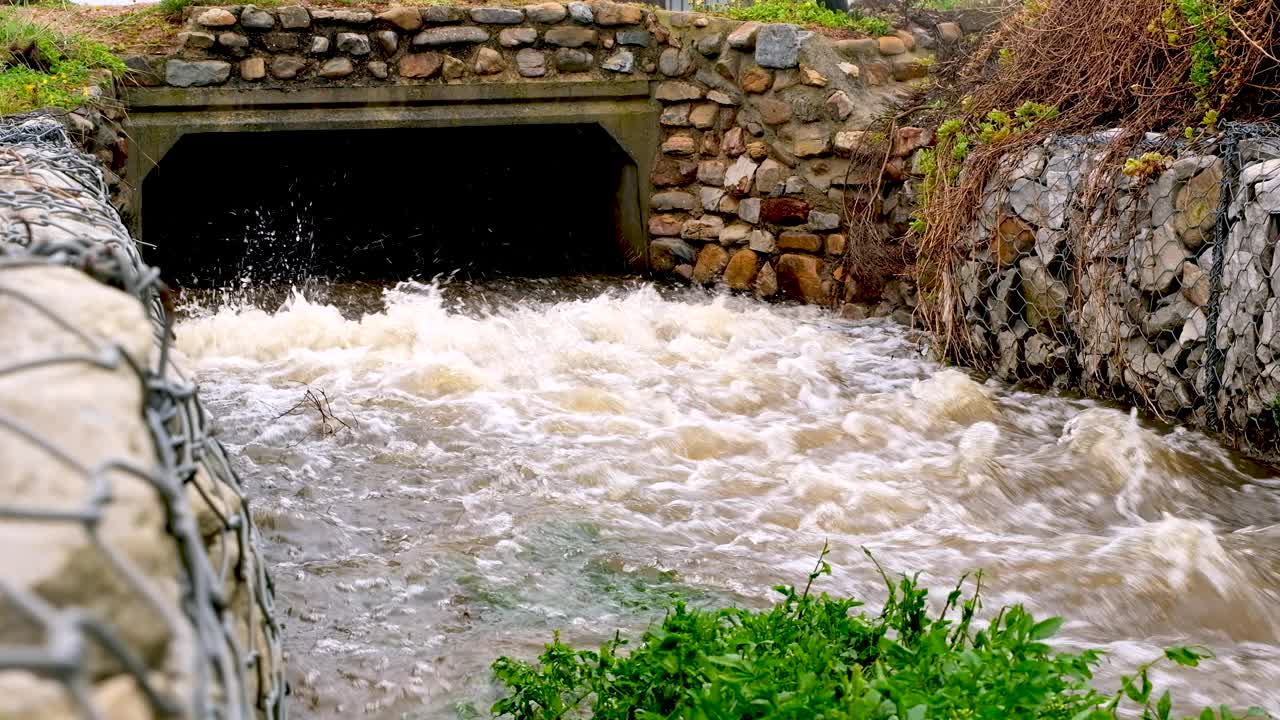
[[386, 205]]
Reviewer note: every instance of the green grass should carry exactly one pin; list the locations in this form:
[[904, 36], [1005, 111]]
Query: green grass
[[813, 657], [73, 61], [802, 12]]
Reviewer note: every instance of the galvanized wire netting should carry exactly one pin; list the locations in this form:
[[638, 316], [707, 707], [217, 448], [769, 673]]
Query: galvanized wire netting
[[1152, 278], [199, 582]]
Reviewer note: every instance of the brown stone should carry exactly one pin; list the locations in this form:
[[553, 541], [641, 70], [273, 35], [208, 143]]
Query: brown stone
[[734, 142], [949, 32], [609, 14], [1014, 238], [811, 141], [836, 244], [799, 278], [758, 150], [454, 69], [712, 260], [707, 227], [215, 17], [811, 77], [710, 144], [877, 73], [773, 112], [665, 225], [839, 105], [571, 37], [679, 145], [711, 172], [280, 41], [766, 282], [405, 18], [803, 241], [253, 69], [671, 200], [489, 62], [909, 139], [546, 13], [703, 115], [783, 211], [741, 271], [892, 46], [755, 79], [908, 40], [420, 65], [676, 91], [675, 115], [669, 172], [287, 67], [1195, 284], [336, 68]]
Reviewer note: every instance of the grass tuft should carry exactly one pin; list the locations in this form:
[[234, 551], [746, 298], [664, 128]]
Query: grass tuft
[[800, 12]]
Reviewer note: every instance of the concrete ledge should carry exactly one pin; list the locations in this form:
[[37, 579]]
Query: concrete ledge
[[141, 100]]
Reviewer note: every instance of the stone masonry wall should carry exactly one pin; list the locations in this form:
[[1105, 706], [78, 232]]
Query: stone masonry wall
[[758, 120], [1165, 293]]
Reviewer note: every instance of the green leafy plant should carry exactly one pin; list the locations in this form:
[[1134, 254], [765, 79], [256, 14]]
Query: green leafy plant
[[801, 12], [814, 657], [1145, 166], [47, 68], [1203, 26]]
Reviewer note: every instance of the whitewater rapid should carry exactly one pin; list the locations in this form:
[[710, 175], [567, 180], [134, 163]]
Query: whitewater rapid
[[447, 476]]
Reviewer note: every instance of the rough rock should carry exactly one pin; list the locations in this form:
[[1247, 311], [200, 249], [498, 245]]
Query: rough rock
[[811, 141], [766, 282], [287, 67], [405, 18], [668, 172], [771, 177], [336, 68], [799, 278], [740, 273], [671, 200], [735, 141], [348, 17], [621, 61], [216, 18], [1195, 284], [755, 79], [388, 40], [744, 36], [772, 112], [531, 63], [355, 43], [707, 227], [892, 46], [1155, 260], [571, 37], [378, 69], [674, 62], [679, 145], [749, 210], [823, 220], [198, 73], [666, 225], [712, 260], [1045, 297], [570, 61], [196, 40], [736, 233], [703, 115], [634, 38], [709, 45], [443, 14], [453, 69], [608, 14], [712, 172], [710, 198], [802, 241], [319, 45], [546, 13], [489, 62], [836, 244], [253, 69], [784, 211], [580, 12], [420, 65], [778, 46], [251, 18], [665, 253], [436, 37], [839, 106], [486, 15], [762, 241]]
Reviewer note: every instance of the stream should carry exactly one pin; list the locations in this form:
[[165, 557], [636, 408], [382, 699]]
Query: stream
[[446, 473]]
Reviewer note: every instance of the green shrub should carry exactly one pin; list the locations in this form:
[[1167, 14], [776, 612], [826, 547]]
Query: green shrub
[[71, 62], [802, 12], [817, 658], [175, 7]]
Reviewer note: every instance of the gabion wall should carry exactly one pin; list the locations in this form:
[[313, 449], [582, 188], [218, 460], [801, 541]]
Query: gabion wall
[[131, 585], [1158, 286]]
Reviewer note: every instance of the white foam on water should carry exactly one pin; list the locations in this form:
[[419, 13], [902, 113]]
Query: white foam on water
[[565, 464]]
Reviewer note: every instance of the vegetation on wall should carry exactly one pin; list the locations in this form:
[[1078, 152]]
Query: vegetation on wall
[[1074, 66], [814, 656], [800, 12]]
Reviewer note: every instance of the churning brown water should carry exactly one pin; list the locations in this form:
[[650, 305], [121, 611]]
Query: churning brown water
[[509, 459]]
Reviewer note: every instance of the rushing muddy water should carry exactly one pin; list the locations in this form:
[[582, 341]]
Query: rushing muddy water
[[485, 464]]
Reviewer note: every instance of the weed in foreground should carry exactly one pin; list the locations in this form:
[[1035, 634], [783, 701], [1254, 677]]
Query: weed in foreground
[[815, 657], [43, 67]]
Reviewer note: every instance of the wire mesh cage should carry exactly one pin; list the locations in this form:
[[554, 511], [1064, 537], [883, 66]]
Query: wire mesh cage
[[131, 584], [1150, 278]]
